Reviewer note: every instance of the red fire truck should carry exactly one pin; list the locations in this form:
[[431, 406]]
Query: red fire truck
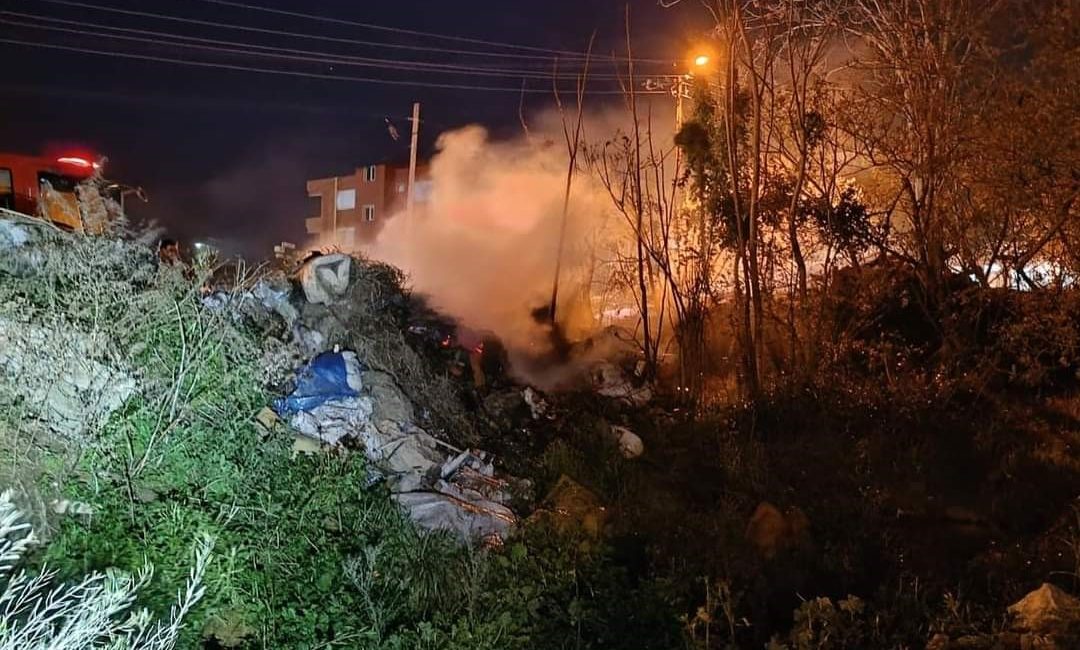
[[45, 186]]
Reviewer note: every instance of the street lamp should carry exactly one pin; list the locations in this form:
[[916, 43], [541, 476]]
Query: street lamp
[[699, 63]]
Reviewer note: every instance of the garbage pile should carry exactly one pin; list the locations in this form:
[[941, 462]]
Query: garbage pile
[[339, 400]]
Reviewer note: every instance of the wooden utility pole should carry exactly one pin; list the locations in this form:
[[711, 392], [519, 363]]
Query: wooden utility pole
[[410, 199], [335, 199]]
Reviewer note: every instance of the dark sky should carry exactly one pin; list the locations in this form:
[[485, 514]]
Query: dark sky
[[225, 153]]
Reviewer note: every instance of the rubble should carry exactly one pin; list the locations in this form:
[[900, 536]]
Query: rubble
[[89, 388], [609, 380], [338, 402], [537, 404]]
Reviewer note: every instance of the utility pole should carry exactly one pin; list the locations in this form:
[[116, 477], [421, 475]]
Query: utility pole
[[335, 200], [410, 199], [681, 89]]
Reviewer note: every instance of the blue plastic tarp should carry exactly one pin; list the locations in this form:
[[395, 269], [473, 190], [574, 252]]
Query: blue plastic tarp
[[324, 379]]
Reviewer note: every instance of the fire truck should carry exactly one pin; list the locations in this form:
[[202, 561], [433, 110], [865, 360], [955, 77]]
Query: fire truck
[[45, 186]]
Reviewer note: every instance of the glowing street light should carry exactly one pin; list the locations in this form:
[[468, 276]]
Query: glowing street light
[[702, 60]]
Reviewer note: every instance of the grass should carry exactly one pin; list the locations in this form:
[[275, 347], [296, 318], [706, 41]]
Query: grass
[[306, 554]]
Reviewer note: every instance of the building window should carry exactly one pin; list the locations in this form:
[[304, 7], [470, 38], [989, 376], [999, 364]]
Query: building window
[[371, 173], [7, 190], [401, 187], [346, 200], [346, 238], [369, 212]]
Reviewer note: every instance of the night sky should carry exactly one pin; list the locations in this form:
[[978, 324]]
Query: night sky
[[225, 153]]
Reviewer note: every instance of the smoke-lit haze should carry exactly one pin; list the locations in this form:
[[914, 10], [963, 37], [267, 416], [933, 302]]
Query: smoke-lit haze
[[483, 248]]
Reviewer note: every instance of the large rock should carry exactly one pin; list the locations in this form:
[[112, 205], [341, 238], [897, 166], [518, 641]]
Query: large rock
[[1048, 618], [325, 279]]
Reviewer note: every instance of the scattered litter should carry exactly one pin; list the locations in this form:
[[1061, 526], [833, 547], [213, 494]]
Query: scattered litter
[[630, 444], [610, 381], [328, 377], [537, 404], [469, 520], [267, 419], [327, 404], [275, 296]]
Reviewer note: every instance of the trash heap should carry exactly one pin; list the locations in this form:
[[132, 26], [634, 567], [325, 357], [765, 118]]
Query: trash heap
[[340, 400]]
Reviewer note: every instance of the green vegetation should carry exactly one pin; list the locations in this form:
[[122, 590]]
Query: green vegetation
[[308, 553]]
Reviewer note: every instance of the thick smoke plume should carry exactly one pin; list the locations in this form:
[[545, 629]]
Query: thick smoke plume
[[483, 248]]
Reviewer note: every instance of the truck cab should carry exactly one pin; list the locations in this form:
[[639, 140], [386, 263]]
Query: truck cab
[[44, 187]]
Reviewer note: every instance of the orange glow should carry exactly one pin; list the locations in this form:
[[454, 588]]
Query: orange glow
[[702, 60]]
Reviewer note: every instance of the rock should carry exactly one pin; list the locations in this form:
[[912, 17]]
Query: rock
[[1049, 613], [771, 531], [468, 520], [570, 506], [630, 444], [325, 279]]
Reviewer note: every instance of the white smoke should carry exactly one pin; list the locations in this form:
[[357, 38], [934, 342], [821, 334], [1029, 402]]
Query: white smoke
[[483, 247]]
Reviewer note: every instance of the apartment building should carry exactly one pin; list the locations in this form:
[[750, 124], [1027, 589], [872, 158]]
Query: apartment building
[[356, 207]]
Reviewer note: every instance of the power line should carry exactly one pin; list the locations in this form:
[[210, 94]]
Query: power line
[[302, 35], [410, 32], [297, 73], [293, 54]]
